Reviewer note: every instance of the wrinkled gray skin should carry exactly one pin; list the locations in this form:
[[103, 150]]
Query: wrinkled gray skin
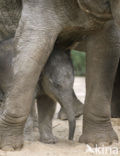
[[115, 100], [47, 25], [115, 6], [55, 85]]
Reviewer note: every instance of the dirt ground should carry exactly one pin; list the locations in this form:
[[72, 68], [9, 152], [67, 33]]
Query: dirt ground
[[65, 147]]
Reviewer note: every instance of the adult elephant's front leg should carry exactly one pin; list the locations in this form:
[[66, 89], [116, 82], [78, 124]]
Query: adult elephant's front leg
[[34, 42], [102, 61]]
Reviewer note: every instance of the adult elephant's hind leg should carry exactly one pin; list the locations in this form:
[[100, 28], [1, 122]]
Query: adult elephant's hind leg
[[34, 44], [102, 61], [46, 110]]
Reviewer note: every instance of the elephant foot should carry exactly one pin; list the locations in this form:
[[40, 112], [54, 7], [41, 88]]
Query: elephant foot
[[48, 139], [11, 135], [99, 134], [31, 130], [78, 112], [32, 134]]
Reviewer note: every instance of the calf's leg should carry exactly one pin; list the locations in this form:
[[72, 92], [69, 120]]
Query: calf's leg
[[46, 110]]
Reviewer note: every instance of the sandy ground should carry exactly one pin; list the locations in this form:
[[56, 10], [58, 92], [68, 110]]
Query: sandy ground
[[65, 147]]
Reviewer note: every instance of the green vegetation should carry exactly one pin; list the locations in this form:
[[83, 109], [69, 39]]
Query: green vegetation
[[79, 62]]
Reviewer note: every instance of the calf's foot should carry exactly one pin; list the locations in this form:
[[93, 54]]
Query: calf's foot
[[98, 134], [48, 138], [46, 109], [31, 131]]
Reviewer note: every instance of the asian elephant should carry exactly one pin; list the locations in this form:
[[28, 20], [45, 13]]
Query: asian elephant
[[42, 26]]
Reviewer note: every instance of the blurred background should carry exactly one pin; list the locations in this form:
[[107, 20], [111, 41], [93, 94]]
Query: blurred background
[[79, 62]]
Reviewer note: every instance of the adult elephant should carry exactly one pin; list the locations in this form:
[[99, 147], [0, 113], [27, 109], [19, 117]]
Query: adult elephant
[[60, 23]]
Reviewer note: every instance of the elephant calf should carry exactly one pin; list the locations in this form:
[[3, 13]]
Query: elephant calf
[[55, 84]]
